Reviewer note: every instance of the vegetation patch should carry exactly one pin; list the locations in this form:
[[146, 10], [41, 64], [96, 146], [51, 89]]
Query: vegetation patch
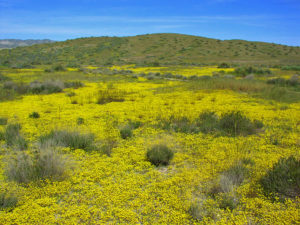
[[34, 115], [236, 123], [73, 84], [8, 200], [3, 121], [233, 123], [110, 95], [13, 137], [41, 164], [244, 71], [47, 87], [283, 180], [71, 139], [159, 155], [127, 130]]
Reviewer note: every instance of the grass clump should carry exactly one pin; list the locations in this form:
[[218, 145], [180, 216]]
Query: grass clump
[[232, 123], [208, 122], [107, 147], [126, 132], [34, 115], [3, 78], [59, 68], [42, 164], [203, 209], [73, 84], [227, 201], [236, 123], [294, 81], [7, 200], [159, 155], [110, 95], [47, 87], [232, 177], [178, 124], [80, 121], [71, 139], [283, 180], [13, 137], [244, 71]]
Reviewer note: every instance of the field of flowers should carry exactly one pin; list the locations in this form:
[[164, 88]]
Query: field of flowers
[[121, 186]]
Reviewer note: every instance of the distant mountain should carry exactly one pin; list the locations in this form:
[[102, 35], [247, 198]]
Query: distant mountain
[[12, 43], [151, 49]]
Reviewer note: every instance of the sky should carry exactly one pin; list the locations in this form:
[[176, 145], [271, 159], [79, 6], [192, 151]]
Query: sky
[[276, 21]]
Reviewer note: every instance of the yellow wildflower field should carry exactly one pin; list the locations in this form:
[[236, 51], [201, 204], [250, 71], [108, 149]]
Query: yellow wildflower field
[[125, 188]]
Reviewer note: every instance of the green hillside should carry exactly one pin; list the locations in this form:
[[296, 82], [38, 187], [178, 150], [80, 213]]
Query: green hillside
[[149, 49]]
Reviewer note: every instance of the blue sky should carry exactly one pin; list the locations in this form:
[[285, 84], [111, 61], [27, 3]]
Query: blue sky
[[275, 21]]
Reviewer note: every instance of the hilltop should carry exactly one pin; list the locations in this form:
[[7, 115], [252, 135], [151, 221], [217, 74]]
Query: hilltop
[[13, 43], [151, 49]]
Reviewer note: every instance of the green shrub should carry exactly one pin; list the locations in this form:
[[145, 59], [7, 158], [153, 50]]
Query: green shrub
[[283, 82], [244, 71], [7, 200], [283, 180], [126, 132], [34, 115], [80, 121], [74, 102], [181, 124], [107, 147], [224, 65], [236, 123], [72, 139], [3, 121], [159, 155], [208, 122], [231, 178], [70, 94], [3, 78], [41, 164], [281, 94], [19, 88], [59, 68], [47, 87], [228, 201], [2, 137], [134, 124], [296, 68], [73, 84], [231, 123], [110, 95], [13, 137], [199, 210]]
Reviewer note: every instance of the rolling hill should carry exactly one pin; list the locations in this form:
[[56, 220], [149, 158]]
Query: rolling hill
[[163, 49]]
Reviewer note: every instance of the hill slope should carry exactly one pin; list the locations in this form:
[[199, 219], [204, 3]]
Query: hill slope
[[13, 43], [146, 49]]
